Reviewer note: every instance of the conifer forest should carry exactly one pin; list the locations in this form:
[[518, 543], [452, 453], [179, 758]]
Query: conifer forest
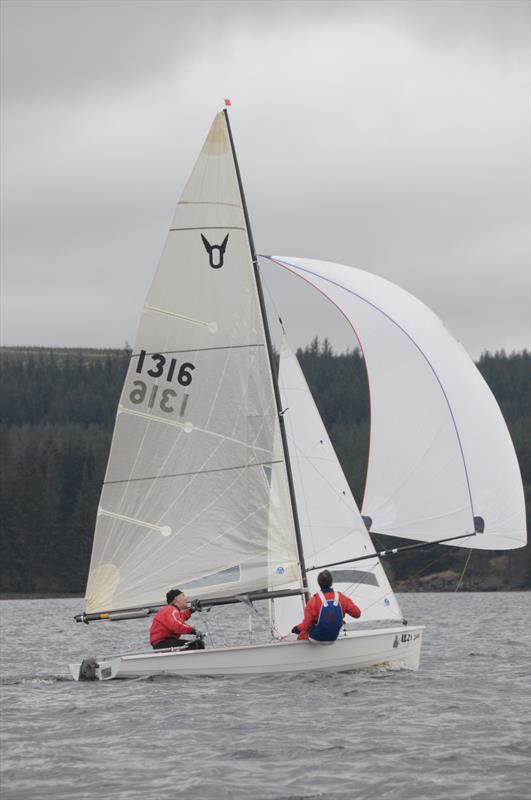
[[57, 409]]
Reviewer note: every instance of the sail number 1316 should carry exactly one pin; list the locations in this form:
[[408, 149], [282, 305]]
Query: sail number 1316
[[160, 367]]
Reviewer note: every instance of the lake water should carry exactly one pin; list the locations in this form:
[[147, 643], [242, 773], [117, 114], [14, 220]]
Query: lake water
[[458, 728]]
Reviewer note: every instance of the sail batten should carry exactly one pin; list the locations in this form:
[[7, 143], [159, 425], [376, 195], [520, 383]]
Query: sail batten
[[179, 316], [188, 427]]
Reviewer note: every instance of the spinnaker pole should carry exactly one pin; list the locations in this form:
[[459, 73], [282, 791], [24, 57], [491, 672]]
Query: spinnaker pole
[[392, 551]]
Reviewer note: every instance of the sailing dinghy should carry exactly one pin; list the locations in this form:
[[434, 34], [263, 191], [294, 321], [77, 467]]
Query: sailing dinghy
[[221, 477]]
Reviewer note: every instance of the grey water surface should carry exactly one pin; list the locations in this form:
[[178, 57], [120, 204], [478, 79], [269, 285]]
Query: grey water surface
[[458, 728]]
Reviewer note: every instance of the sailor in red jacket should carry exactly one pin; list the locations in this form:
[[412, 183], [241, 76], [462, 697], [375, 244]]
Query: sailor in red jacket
[[324, 612], [169, 623]]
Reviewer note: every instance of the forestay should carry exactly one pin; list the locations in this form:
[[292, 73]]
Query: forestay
[[187, 494], [331, 525], [440, 452]]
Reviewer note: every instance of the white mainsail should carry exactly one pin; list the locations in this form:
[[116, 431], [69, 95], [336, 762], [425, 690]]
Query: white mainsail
[[331, 526], [441, 460], [187, 494]]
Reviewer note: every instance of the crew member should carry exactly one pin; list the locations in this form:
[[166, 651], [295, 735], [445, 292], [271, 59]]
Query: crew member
[[324, 612], [169, 623]]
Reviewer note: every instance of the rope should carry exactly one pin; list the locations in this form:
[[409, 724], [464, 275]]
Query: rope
[[216, 639], [413, 577], [442, 555], [460, 581], [275, 633]]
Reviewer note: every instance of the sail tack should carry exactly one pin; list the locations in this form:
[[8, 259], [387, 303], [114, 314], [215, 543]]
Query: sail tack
[[187, 496], [441, 460]]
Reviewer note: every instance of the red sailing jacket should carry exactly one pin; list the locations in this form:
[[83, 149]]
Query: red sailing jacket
[[168, 622], [313, 608]]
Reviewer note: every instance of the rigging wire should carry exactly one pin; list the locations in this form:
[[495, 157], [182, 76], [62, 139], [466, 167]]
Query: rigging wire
[[460, 581], [272, 300], [220, 634]]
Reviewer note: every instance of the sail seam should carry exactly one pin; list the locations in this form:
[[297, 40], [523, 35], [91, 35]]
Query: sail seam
[[194, 472], [201, 349], [207, 203], [211, 228]]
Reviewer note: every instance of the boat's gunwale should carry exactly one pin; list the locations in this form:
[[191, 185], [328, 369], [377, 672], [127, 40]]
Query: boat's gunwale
[[248, 647]]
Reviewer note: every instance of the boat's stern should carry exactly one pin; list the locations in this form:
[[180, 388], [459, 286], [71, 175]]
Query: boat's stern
[[407, 647], [93, 669]]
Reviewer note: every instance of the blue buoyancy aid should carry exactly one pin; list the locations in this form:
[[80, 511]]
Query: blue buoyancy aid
[[330, 621]]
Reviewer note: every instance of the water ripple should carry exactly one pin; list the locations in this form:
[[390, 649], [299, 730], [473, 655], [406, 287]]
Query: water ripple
[[459, 728]]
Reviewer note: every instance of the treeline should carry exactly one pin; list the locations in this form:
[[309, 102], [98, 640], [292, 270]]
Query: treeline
[[344, 407], [57, 412]]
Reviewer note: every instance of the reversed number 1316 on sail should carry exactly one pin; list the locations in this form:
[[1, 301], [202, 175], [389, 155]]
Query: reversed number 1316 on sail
[[160, 367]]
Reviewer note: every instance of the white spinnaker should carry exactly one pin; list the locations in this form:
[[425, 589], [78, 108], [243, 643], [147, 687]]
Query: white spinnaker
[[186, 498], [331, 525], [440, 452]]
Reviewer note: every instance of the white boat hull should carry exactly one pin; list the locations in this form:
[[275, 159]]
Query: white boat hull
[[397, 647]]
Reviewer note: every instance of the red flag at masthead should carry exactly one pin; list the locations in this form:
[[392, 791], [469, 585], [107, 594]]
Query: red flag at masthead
[[227, 102]]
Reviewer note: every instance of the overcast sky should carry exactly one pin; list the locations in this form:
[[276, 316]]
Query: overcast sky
[[389, 135]]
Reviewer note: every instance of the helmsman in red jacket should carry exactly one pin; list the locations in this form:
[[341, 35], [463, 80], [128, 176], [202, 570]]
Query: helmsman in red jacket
[[169, 623], [324, 612]]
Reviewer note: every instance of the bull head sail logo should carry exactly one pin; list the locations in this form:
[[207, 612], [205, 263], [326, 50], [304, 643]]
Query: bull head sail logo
[[215, 251]]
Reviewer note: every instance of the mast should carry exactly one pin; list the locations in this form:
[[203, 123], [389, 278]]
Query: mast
[[271, 365]]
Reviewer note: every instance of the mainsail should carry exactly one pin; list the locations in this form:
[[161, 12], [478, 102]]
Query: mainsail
[[441, 460], [187, 494]]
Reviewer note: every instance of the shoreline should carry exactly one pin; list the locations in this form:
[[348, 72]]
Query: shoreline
[[397, 590], [37, 596]]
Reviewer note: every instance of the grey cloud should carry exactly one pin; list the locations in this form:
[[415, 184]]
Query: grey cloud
[[71, 48], [499, 23], [76, 47], [397, 143]]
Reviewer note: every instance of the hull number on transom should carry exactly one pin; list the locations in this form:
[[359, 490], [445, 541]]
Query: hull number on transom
[[404, 638]]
